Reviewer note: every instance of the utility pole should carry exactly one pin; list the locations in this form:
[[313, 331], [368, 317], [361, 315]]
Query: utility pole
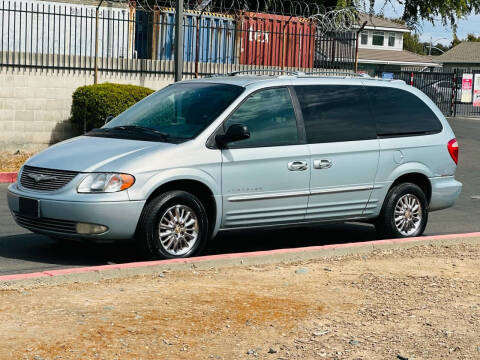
[[179, 41]]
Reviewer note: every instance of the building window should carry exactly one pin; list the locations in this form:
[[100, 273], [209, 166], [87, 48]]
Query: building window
[[378, 38], [391, 39], [364, 38]]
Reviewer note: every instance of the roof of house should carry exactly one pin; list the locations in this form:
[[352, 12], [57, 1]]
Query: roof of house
[[378, 22], [403, 57], [465, 52]]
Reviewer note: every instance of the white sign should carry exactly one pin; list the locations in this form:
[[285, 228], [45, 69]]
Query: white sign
[[476, 93], [467, 88]]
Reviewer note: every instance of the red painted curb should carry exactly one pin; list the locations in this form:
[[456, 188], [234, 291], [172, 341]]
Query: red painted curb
[[8, 177], [50, 273]]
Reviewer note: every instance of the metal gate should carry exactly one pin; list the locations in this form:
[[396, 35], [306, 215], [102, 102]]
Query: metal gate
[[445, 90], [465, 108]]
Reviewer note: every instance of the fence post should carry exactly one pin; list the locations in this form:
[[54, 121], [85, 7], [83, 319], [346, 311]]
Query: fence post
[[179, 41], [453, 104], [97, 11]]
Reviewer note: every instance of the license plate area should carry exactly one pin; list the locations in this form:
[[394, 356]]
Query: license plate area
[[28, 207]]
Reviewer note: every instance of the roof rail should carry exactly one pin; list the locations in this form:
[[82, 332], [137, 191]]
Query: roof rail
[[299, 73], [288, 72], [338, 73]]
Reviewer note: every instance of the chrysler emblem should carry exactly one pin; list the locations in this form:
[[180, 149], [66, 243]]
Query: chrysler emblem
[[41, 177]]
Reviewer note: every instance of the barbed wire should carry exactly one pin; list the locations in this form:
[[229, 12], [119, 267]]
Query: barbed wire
[[325, 20], [338, 20]]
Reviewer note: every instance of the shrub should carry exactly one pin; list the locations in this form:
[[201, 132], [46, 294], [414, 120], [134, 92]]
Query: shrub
[[93, 103]]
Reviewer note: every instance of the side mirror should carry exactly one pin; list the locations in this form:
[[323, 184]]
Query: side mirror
[[108, 118], [235, 132]]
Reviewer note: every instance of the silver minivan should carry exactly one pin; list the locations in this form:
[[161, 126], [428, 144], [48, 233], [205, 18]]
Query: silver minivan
[[237, 152]]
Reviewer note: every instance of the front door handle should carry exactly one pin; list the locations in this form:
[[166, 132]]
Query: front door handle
[[297, 166], [322, 164]]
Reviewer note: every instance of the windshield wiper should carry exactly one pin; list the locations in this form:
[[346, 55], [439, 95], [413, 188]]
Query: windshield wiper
[[141, 128]]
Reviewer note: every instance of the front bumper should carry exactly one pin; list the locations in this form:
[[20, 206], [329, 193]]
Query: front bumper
[[58, 218], [445, 191]]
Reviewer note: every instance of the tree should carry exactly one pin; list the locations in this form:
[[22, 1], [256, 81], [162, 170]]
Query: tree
[[411, 42], [473, 38], [456, 40], [442, 48], [429, 10]]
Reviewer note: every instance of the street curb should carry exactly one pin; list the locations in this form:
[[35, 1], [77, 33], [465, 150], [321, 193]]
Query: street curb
[[8, 177], [94, 273]]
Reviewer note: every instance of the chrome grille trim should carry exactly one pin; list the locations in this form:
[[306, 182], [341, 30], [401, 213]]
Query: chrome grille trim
[[46, 224], [62, 178]]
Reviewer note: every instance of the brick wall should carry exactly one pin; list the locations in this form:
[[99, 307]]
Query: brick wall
[[35, 104]]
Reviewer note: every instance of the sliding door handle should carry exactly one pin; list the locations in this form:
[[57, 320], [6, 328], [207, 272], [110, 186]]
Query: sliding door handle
[[297, 166], [322, 164]]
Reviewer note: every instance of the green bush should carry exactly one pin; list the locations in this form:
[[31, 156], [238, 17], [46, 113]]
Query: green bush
[[93, 103]]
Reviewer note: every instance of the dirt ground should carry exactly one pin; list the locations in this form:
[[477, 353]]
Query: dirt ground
[[12, 162], [421, 303]]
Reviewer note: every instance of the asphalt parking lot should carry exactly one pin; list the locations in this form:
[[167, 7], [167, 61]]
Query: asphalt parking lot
[[22, 251]]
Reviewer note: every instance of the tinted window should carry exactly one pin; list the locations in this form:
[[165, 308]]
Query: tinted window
[[399, 112], [335, 113], [270, 118], [181, 111]]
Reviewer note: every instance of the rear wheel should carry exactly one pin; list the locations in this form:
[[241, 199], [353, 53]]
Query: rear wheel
[[404, 213], [174, 225]]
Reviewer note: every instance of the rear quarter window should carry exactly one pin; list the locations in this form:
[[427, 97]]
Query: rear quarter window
[[400, 113]]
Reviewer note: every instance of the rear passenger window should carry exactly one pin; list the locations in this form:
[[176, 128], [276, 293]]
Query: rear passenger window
[[400, 113], [334, 113]]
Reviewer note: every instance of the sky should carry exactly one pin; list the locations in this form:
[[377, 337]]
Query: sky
[[427, 30]]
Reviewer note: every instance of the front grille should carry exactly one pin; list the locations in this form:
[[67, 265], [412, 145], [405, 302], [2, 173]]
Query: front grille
[[61, 226], [52, 180]]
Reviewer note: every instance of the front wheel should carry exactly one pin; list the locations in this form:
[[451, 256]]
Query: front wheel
[[404, 213], [174, 225]]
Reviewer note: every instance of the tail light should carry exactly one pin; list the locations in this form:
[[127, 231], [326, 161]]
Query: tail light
[[453, 149]]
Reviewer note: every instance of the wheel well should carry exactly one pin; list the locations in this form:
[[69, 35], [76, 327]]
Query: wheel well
[[417, 179], [197, 188]]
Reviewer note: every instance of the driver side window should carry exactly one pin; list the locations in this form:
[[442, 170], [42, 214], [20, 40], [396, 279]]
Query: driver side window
[[270, 118]]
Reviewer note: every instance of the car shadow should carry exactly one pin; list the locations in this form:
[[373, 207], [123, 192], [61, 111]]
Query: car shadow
[[37, 252], [295, 237]]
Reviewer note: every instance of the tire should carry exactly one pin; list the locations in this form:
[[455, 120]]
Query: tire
[[401, 201], [181, 238]]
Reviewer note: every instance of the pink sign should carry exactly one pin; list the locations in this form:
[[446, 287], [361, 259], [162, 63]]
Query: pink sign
[[467, 81], [467, 84]]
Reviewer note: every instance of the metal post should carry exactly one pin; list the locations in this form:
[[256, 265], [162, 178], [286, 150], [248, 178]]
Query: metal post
[[453, 103], [97, 12], [356, 44], [179, 41], [284, 41]]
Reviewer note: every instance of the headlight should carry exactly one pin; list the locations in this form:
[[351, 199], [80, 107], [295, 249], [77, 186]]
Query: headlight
[[105, 183]]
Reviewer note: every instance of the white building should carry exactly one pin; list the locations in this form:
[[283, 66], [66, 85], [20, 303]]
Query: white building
[[381, 47]]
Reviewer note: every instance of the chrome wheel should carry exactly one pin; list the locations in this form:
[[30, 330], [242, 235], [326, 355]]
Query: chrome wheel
[[408, 214], [178, 230]]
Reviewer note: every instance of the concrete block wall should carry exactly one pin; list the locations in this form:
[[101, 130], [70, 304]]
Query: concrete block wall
[[35, 104]]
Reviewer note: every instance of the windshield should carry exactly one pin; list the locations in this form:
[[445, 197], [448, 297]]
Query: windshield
[[178, 112]]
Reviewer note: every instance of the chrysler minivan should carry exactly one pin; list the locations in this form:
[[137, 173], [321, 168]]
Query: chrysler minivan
[[237, 152]]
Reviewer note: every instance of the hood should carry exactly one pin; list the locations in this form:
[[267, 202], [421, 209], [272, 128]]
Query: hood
[[88, 153]]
